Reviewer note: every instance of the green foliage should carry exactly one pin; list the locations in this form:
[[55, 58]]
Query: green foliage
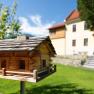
[[86, 9], [9, 23]]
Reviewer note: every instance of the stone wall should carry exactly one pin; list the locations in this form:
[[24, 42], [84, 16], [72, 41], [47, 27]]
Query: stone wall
[[76, 60]]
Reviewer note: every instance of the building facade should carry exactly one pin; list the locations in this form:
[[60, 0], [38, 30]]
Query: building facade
[[78, 38], [57, 35]]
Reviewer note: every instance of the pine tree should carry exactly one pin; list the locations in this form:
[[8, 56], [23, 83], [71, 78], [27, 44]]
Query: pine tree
[[86, 9]]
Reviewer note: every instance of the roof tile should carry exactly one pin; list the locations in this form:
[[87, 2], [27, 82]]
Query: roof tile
[[73, 15]]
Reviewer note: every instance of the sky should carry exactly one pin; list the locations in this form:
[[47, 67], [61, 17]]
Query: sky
[[38, 15]]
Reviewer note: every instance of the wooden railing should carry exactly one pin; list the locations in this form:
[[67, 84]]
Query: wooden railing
[[33, 74], [19, 73]]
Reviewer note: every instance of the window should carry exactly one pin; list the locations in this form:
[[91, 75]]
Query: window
[[73, 42], [74, 28], [85, 41], [53, 32], [44, 63], [85, 26], [22, 64]]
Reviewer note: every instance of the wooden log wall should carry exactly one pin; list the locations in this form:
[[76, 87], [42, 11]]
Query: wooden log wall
[[32, 61]]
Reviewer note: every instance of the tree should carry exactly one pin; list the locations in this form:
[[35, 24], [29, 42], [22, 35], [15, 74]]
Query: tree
[[9, 24], [86, 9]]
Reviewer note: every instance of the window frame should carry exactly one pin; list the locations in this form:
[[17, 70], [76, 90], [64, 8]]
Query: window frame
[[85, 26], [85, 41], [74, 27], [74, 42]]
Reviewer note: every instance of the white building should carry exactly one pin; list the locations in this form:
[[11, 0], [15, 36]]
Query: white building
[[57, 36], [78, 39]]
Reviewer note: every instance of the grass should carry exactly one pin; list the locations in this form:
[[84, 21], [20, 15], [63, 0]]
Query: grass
[[67, 80]]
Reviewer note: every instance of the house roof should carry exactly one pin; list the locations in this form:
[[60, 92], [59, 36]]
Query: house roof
[[73, 15], [57, 26], [18, 45]]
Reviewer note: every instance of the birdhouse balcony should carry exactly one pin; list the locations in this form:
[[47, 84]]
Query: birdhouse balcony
[[27, 76]]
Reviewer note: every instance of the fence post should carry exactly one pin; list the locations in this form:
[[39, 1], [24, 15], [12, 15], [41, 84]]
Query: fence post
[[35, 74], [3, 71]]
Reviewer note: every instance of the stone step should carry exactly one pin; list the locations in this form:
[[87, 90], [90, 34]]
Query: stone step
[[88, 66], [89, 63], [90, 58]]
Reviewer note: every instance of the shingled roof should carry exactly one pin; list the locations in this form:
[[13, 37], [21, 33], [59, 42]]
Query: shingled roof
[[21, 45]]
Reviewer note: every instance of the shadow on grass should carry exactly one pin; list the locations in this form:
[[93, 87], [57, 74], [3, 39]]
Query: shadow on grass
[[58, 89]]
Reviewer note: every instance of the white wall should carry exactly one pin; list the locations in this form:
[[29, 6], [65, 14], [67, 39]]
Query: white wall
[[59, 45], [79, 36]]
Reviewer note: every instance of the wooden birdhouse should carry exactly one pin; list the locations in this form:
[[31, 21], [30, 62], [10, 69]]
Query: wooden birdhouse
[[26, 58]]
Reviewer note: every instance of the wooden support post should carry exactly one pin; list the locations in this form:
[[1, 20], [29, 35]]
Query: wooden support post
[[3, 71], [22, 87], [35, 74]]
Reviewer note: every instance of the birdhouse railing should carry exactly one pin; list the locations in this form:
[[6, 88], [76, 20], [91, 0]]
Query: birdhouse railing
[[35, 74]]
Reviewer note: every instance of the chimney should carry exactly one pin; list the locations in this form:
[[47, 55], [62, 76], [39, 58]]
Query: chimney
[[22, 37]]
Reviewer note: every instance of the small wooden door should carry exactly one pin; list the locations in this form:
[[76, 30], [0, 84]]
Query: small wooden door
[[22, 64]]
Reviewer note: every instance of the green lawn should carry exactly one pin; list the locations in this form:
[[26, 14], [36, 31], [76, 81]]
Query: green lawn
[[67, 80]]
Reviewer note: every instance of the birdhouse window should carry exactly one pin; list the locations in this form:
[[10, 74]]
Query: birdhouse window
[[44, 63], [3, 64], [22, 64]]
